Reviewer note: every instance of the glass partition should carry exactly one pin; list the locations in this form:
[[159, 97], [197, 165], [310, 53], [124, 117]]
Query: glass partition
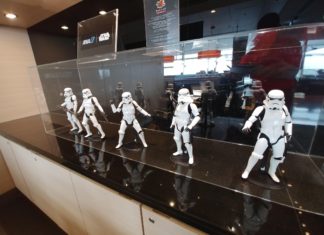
[[228, 76]]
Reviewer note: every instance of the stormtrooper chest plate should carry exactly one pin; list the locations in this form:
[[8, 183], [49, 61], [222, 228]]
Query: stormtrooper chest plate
[[273, 123], [88, 106], [128, 112], [181, 114], [69, 103]]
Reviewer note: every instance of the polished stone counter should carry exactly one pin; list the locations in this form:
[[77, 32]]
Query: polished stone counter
[[209, 195]]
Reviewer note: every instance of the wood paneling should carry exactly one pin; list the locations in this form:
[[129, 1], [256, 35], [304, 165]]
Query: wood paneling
[[6, 182]]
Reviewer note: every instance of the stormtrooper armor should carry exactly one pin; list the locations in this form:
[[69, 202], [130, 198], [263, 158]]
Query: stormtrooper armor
[[182, 122], [70, 106], [88, 105], [127, 106], [276, 130]]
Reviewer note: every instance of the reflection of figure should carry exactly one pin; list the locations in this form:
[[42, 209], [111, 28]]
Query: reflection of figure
[[208, 100], [276, 128], [88, 104], [91, 160], [136, 171], [275, 57], [258, 92], [71, 104], [127, 106], [172, 102], [256, 212], [182, 122], [139, 94], [119, 91], [182, 187], [247, 95]]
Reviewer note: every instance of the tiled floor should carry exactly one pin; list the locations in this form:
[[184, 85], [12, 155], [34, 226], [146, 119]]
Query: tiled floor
[[19, 216]]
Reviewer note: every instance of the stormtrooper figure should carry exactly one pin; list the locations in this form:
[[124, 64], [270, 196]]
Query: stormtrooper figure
[[88, 104], [182, 122], [70, 106], [127, 106], [276, 130]]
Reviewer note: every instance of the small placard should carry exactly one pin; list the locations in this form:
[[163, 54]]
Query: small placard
[[98, 35], [161, 22]]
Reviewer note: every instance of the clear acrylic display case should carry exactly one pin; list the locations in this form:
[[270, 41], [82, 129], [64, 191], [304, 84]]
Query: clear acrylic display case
[[217, 71]]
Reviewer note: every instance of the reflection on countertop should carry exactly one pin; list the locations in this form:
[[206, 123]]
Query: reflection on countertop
[[210, 195]]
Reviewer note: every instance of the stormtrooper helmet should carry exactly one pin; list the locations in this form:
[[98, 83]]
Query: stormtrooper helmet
[[184, 96], [68, 92], [275, 100], [127, 97], [86, 93]]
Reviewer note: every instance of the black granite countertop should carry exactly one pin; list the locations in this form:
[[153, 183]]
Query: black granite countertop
[[209, 195]]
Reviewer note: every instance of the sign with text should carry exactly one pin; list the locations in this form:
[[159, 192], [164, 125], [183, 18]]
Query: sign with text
[[98, 35], [161, 22]]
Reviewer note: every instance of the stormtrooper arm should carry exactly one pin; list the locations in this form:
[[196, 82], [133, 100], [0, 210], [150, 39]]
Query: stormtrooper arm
[[63, 104], [75, 103], [81, 108], [195, 113], [140, 109], [173, 122], [118, 109], [95, 100], [288, 122], [255, 115]]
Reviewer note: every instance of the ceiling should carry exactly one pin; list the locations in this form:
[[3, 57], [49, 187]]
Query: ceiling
[[30, 12], [47, 16]]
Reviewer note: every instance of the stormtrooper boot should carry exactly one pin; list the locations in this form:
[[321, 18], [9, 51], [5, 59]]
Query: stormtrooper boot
[[79, 126], [272, 169], [190, 154], [120, 141], [89, 133], [179, 148], [254, 158], [141, 136], [102, 133], [73, 126]]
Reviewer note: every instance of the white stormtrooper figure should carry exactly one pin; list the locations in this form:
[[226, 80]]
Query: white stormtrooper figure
[[88, 104], [276, 130], [70, 105], [127, 106], [182, 122]]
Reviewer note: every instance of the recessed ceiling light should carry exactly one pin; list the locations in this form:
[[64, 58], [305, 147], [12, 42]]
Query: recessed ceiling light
[[102, 12], [11, 16], [64, 27], [213, 11]]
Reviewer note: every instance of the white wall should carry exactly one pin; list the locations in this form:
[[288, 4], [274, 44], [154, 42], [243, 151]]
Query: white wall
[[16, 93]]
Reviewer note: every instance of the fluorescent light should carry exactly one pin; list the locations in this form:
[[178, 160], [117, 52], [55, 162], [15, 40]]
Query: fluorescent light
[[11, 16], [213, 11], [102, 12], [64, 27]]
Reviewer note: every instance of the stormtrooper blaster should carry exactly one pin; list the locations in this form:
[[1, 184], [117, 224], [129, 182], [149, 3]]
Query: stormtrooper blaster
[[104, 116], [65, 109]]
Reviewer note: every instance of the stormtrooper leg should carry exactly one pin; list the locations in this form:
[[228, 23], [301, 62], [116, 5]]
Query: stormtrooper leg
[[177, 139], [121, 133], [140, 132], [85, 121], [277, 158], [259, 148], [77, 122], [97, 125], [186, 140], [69, 116]]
